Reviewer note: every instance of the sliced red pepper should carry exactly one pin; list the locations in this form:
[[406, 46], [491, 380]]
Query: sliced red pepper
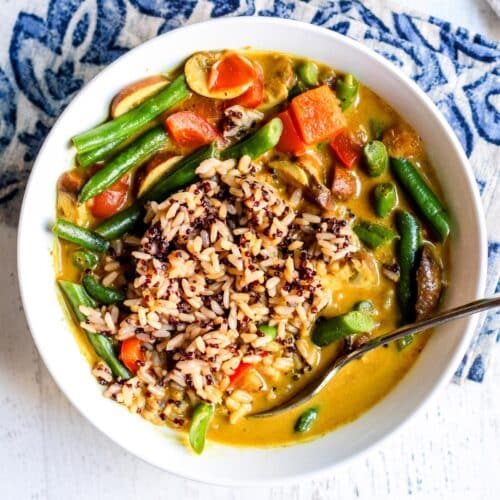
[[290, 140], [242, 369], [231, 71], [254, 96], [347, 151], [131, 354], [190, 130], [112, 200]]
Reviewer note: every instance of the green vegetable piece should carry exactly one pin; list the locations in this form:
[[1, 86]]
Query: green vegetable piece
[[84, 259], [377, 128], [404, 342], [385, 198], [77, 296], [297, 89], [132, 156], [365, 306], [269, 331], [103, 294], [373, 235], [258, 143], [376, 158], [328, 330], [406, 253], [427, 202], [80, 236], [347, 91], [102, 153], [308, 73], [120, 223], [135, 119], [183, 174], [199, 426], [306, 420]]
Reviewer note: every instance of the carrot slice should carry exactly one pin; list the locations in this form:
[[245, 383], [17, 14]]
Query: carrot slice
[[254, 96], [231, 71], [317, 114], [290, 140], [346, 149], [190, 130], [131, 354]]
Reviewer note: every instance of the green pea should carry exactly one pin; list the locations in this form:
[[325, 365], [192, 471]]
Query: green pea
[[376, 158], [385, 198], [269, 331], [308, 73], [198, 429], [306, 420]]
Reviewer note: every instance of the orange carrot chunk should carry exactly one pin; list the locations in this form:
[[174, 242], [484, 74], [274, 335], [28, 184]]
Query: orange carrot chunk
[[346, 149], [131, 354], [231, 71], [317, 114], [190, 130], [290, 140]]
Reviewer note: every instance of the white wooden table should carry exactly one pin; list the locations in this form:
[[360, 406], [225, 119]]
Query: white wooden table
[[48, 451]]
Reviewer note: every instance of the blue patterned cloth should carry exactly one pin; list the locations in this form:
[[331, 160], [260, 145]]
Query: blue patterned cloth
[[49, 49]]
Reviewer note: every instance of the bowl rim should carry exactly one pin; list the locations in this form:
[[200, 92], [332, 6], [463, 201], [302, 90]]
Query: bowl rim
[[478, 215]]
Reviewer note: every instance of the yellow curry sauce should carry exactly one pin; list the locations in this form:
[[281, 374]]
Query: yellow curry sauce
[[362, 383]]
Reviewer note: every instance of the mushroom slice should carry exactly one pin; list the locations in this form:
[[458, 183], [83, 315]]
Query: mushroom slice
[[135, 93], [429, 283], [156, 169], [290, 173], [197, 69]]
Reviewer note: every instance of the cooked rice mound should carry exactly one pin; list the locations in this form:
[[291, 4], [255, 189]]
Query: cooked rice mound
[[219, 259]]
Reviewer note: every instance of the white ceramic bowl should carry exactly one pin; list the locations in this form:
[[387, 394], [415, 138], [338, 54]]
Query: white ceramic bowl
[[222, 464]]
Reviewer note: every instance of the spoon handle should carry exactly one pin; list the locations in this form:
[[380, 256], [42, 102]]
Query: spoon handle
[[310, 390]]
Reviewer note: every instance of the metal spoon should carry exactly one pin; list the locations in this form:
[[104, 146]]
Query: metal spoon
[[315, 386]]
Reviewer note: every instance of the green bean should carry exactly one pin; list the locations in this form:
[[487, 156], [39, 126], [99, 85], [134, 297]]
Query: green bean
[[183, 175], [258, 143], [199, 426], [427, 202], [120, 223], [133, 156], [306, 420], [269, 331], [406, 253], [365, 306], [373, 235], [80, 236], [347, 91], [328, 330], [133, 120], [102, 153], [385, 198], [77, 296], [84, 259], [101, 293], [376, 158], [308, 73]]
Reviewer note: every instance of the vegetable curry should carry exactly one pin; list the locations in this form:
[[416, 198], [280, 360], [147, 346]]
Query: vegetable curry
[[325, 144]]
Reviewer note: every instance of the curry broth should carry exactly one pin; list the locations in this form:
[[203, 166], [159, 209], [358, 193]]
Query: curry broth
[[362, 383]]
